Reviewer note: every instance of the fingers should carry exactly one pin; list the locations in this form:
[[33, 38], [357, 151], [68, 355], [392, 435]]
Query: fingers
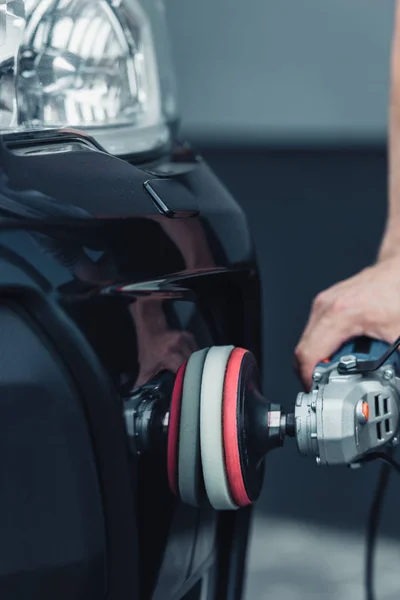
[[321, 342], [166, 351], [334, 319], [366, 304], [189, 342]]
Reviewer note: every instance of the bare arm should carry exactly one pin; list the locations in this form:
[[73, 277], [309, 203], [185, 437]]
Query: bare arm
[[391, 240], [368, 303]]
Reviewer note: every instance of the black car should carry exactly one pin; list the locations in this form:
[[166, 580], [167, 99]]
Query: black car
[[122, 254]]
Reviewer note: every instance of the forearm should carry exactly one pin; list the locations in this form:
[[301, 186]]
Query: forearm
[[391, 239], [367, 303]]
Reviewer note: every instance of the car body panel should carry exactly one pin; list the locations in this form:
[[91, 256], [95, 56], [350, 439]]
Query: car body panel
[[137, 287]]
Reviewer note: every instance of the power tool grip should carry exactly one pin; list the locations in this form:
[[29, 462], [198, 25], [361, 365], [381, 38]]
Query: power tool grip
[[363, 348]]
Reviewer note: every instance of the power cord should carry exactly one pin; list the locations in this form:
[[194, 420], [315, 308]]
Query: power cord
[[375, 515], [384, 457]]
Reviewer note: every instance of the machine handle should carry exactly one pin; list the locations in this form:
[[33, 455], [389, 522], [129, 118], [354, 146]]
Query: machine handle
[[370, 354]]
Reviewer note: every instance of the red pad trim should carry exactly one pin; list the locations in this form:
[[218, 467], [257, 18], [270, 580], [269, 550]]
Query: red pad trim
[[230, 431], [173, 430]]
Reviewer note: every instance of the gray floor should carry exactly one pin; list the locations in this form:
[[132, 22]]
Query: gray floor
[[292, 561]]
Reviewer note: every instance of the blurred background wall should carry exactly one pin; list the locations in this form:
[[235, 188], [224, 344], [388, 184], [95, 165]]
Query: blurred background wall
[[282, 70], [287, 99]]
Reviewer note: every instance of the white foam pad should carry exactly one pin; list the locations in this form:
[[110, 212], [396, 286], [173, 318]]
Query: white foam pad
[[211, 440], [189, 461]]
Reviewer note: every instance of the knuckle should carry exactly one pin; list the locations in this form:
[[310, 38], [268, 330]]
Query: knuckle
[[340, 305], [321, 300], [371, 319], [176, 338], [186, 335], [300, 354]]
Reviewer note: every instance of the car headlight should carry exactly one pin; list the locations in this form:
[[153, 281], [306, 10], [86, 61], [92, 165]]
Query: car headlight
[[98, 65]]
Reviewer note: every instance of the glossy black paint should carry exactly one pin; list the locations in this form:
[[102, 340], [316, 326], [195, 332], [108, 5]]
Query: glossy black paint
[[126, 290]]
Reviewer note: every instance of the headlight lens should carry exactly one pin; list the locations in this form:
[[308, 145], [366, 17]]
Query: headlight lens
[[89, 64]]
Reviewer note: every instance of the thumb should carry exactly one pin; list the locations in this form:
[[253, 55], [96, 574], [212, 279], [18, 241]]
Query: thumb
[[320, 343]]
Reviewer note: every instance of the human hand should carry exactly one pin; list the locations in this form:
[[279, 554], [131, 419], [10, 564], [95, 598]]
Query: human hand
[[366, 304], [166, 350], [159, 347]]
